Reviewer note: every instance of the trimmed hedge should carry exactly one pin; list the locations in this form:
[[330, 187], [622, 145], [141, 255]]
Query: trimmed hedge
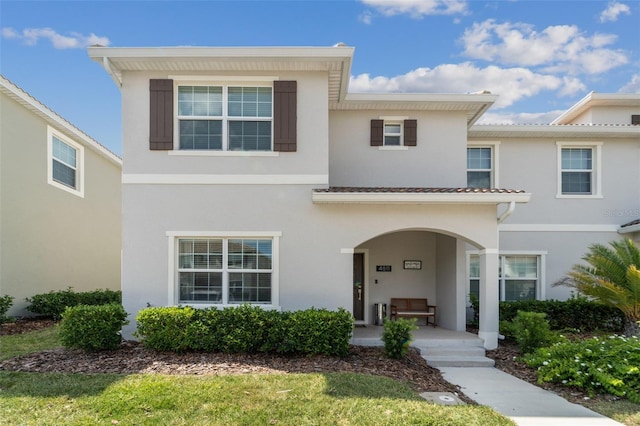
[[92, 328], [577, 313], [245, 328], [54, 303]]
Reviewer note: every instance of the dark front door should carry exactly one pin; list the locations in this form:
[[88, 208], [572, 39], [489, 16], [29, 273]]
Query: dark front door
[[358, 286]]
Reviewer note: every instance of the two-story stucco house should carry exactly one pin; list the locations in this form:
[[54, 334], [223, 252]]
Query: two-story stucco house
[[252, 175], [60, 203]]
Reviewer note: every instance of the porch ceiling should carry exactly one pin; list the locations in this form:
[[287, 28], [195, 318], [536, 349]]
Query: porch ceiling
[[383, 195]]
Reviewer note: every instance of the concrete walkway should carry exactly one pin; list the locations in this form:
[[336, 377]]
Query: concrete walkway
[[524, 403]]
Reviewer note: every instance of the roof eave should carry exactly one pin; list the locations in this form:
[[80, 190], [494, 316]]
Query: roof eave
[[418, 198], [629, 229]]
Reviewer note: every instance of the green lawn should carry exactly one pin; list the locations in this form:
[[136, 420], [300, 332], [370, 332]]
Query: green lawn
[[21, 344], [291, 399]]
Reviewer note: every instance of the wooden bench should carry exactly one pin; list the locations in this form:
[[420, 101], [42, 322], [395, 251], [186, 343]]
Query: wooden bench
[[413, 308]]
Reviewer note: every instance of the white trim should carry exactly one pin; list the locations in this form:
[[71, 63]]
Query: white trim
[[224, 78], [347, 251], [393, 118], [596, 169], [556, 227], [418, 198], [79, 169], [201, 179], [488, 251], [495, 158], [629, 229], [393, 148], [172, 280], [203, 153], [225, 234]]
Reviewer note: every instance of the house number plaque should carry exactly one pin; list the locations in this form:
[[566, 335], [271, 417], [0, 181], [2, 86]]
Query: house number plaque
[[383, 268]]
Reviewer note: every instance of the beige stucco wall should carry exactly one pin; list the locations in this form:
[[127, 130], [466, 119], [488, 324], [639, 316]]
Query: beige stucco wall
[[311, 157], [438, 160], [51, 239]]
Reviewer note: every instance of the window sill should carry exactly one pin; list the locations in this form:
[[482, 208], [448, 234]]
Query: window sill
[[196, 153], [393, 148], [596, 196]]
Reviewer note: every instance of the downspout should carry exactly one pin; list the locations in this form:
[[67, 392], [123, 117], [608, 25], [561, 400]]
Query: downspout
[[107, 66], [507, 213]]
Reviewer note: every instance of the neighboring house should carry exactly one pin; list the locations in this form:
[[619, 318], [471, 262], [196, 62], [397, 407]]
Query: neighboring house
[[60, 202], [252, 175]]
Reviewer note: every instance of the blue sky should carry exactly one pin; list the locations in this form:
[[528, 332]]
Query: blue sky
[[539, 56]]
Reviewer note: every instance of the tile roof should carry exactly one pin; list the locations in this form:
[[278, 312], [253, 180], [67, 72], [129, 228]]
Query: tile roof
[[632, 223], [347, 189]]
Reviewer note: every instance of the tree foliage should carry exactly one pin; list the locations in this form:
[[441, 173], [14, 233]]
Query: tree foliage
[[612, 277]]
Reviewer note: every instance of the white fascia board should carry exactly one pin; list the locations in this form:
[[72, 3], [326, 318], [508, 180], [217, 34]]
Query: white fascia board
[[422, 97], [597, 99], [206, 179], [550, 130], [417, 198]]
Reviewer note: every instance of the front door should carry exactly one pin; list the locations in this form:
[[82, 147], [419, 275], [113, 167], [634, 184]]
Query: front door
[[358, 286]]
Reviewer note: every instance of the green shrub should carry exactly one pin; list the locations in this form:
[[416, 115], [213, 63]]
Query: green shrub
[[475, 306], [92, 328], [531, 331], [53, 303], [247, 329], [5, 303], [610, 365], [576, 313], [397, 337], [166, 328]]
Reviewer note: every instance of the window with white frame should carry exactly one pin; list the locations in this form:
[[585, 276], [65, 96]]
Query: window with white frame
[[225, 117], [519, 276], [579, 169], [479, 167], [393, 133], [225, 270], [65, 163]]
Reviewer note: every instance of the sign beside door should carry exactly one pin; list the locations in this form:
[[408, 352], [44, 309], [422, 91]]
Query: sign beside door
[[383, 268]]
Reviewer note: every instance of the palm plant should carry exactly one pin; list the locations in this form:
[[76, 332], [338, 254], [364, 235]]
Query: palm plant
[[612, 277]]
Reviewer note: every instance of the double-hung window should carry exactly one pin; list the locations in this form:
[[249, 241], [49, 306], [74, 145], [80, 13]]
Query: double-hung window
[[225, 117], [225, 270], [520, 276], [393, 133], [578, 170], [479, 167], [65, 160]]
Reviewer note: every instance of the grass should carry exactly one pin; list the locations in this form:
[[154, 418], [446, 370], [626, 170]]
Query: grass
[[21, 344], [286, 399]]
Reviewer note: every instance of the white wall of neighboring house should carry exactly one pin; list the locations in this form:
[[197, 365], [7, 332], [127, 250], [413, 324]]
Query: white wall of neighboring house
[[51, 238]]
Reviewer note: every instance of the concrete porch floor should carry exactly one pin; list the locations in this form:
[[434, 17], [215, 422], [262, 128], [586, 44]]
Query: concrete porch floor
[[424, 336]]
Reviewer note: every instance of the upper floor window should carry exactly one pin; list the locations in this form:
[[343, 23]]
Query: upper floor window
[[393, 132], [65, 160], [230, 118], [479, 167], [243, 117], [579, 173]]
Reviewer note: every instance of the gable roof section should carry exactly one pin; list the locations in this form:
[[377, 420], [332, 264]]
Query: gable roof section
[[54, 120], [597, 99]]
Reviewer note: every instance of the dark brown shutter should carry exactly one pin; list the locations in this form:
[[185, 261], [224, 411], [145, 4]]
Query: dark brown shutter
[[161, 114], [377, 132], [410, 132], [285, 116], [635, 119]]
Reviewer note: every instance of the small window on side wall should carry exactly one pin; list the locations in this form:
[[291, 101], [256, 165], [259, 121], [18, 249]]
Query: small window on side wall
[[579, 170], [393, 132], [65, 160]]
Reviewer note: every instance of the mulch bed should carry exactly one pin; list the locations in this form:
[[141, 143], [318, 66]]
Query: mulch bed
[[132, 357]]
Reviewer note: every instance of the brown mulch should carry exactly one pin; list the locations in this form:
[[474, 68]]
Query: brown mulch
[[132, 357]]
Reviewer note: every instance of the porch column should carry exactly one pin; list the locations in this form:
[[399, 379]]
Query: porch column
[[489, 295]]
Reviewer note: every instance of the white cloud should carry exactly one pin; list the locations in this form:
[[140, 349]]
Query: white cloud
[[512, 84], [560, 48], [519, 118], [633, 86], [31, 36], [365, 18], [613, 10], [418, 8]]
